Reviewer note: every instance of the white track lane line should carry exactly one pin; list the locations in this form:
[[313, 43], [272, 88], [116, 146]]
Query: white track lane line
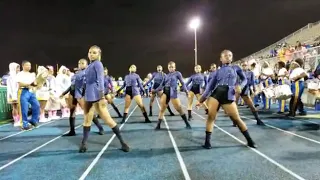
[[280, 116], [257, 151], [5, 125], [176, 149], [20, 132], [95, 161], [287, 132], [39, 147]]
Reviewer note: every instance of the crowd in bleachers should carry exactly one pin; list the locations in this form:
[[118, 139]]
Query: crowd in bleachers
[[279, 58], [286, 53]]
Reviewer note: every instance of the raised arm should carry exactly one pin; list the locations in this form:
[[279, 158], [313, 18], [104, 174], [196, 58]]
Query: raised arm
[[179, 76], [241, 75]]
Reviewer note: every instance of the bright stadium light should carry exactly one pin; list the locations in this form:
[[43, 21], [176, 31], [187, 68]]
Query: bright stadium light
[[194, 24]]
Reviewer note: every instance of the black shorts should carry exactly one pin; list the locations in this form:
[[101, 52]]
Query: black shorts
[[245, 91], [166, 91], [72, 92], [155, 85], [195, 89], [221, 94], [74, 100], [129, 91]]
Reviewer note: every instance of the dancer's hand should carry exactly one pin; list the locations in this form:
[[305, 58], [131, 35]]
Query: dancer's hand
[[198, 105]]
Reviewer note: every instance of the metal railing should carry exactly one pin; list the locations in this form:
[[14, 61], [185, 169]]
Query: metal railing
[[311, 58], [310, 25]]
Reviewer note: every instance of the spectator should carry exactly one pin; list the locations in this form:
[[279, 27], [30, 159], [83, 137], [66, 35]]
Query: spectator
[[4, 79], [281, 54], [300, 51]]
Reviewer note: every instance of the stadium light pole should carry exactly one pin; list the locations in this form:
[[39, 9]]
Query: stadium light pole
[[194, 24]]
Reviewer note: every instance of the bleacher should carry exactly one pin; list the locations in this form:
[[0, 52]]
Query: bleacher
[[308, 34]]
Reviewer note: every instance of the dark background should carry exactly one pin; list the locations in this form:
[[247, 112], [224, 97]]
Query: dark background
[[144, 32]]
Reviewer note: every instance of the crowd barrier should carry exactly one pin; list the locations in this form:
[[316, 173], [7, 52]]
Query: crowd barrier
[[5, 108], [311, 59]]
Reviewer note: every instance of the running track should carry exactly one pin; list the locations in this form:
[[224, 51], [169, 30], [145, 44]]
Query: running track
[[288, 149]]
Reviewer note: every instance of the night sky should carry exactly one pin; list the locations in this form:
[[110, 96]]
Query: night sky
[[144, 32]]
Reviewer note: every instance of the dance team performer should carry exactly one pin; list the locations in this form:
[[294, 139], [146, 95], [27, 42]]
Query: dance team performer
[[75, 97], [158, 78], [108, 87], [248, 89], [222, 89], [198, 82], [133, 85], [170, 93], [95, 99]]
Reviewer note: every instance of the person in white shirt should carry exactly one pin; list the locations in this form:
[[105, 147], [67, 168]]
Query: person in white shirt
[[120, 84], [266, 74], [26, 82], [12, 92], [296, 77], [43, 93], [63, 81], [282, 79], [53, 103]]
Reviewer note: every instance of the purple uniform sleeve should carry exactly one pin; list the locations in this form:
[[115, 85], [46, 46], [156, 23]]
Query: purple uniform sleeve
[[139, 81], [110, 82], [212, 83], [241, 75], [252, 81], [162, 82], [182, 82], [73, 79], [189, 81], [100, 77], [205, 81]]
